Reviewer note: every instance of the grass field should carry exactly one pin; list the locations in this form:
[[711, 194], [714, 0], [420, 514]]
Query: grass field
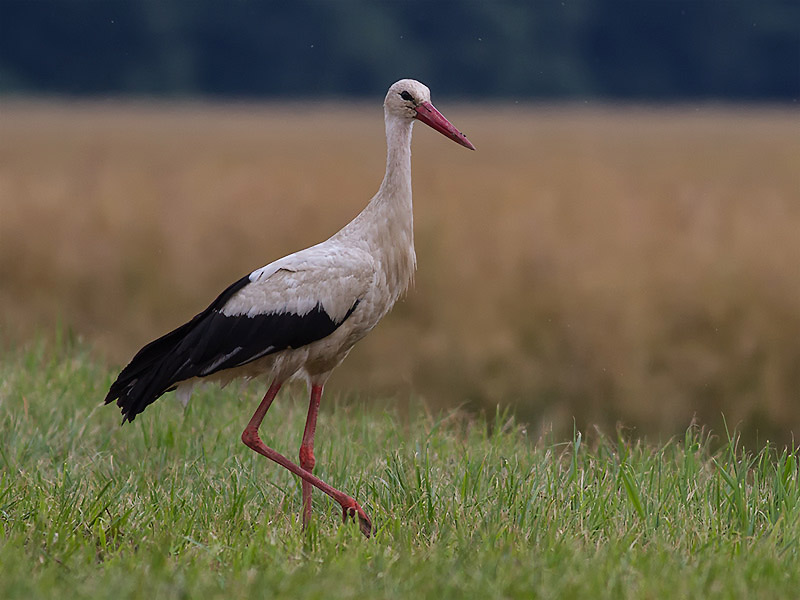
[[175, 506], [597, 264], [585, 266]]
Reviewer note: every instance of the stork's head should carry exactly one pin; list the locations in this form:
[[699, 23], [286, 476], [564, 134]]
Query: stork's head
[[410, 99]]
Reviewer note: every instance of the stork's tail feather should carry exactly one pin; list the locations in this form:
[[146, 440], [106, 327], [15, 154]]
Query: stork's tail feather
[[149, 375], [158, 366]]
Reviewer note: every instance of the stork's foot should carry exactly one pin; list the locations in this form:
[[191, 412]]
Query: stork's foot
[[352, 509]]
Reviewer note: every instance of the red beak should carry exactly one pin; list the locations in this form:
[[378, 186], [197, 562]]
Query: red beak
[[427, 113]]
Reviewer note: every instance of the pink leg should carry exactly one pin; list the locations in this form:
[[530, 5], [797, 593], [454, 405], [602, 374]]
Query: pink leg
[[307, 460], [250, 437]]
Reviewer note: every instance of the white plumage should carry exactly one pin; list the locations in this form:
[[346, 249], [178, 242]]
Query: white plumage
[[301, 314]]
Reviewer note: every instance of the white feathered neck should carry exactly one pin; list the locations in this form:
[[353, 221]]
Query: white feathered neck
[[385, 227]]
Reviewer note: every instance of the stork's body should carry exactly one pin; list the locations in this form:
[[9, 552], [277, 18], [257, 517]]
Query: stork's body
[[301, 314]]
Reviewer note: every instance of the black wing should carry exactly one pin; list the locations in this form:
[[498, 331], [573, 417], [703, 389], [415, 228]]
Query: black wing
[[212, 342]]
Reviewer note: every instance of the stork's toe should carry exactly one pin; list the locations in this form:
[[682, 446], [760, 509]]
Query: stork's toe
[[353, 510]]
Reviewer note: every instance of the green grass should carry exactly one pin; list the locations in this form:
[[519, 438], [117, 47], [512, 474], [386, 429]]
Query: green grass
[[175, 506]]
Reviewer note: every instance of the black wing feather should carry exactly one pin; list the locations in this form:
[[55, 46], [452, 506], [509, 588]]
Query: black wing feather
[[212, 342]]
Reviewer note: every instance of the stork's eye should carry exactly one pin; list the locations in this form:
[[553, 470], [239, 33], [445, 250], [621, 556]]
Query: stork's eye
[[406, 96]]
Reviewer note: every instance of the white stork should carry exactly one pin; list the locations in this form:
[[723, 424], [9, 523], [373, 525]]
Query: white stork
[[300, 315]]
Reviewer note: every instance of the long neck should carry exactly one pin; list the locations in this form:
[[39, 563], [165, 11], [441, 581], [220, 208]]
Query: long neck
[[386, 225], [397, 181]]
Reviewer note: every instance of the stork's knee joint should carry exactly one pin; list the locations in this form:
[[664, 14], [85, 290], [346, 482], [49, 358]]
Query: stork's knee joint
[[250, 437], [307, 460]]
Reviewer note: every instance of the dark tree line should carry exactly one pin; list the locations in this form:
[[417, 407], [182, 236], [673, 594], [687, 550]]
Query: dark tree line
[[635, 49]]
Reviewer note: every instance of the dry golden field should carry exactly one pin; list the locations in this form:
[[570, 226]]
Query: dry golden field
[[607, 265]]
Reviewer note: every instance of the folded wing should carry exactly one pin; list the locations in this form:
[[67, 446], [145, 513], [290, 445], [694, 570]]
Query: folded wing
[[288, 304]]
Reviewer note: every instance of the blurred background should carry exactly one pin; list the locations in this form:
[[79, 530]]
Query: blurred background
[[624, 247]]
